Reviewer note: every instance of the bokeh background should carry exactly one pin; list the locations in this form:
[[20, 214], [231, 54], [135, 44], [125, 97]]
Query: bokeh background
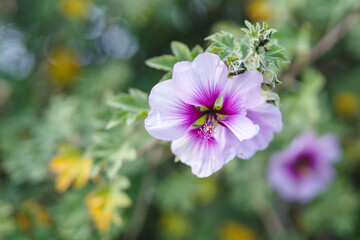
[[64, 175]]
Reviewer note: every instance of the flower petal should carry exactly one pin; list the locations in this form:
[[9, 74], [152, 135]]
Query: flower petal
[[241, 126], [268, 117], [329, 145], [170, 118], [202, 81], [292, 189], [305, 187], [205, 156], [242, 92]]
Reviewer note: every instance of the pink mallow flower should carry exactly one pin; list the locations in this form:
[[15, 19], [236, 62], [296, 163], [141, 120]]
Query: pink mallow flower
[[210, 117], [305, 168]]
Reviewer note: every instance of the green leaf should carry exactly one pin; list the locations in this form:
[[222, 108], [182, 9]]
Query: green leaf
[[276, 53], [224, 44], [164, 62], [117, 119], [134, 101], [166, 76], [270, 78], [263, 50], [7, 224], [271, 97], [216, 50], [196, 51], [112, 151], [181, 51], [118, 157], [132, 106]]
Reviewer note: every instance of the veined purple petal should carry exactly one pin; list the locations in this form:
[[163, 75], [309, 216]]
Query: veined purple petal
[[245, 121], [205, 156], [170, 118], [268, 118], [202, 81], [242, 92]]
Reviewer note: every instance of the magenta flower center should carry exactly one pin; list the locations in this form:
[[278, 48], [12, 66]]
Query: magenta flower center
[[213, 116], [302, 166], [207, 130]]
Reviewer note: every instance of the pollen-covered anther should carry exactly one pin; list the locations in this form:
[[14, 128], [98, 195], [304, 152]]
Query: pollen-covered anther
[[206, 130]]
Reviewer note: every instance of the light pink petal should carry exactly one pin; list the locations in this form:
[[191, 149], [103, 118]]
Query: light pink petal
[[247, 148], [202, 81], [304, 141], [243, 92], [268, 118], [266, 115], [302, 190], [204, 156], [306, 187], [241, 126], [330, 148], [170, 118]]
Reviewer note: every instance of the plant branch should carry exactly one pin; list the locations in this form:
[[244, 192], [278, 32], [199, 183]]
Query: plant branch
[[147, 148], [146, 192], [269, 217], [326, 43]]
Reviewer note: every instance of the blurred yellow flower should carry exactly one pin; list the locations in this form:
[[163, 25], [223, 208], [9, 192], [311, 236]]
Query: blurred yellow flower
[[258, 11], [175, 225], [70, 166], [346, 104], [23, 221], [32, 213], [75, 9], [103, 204], [351, 148], [208, 190], [64, 66], [232, 230]]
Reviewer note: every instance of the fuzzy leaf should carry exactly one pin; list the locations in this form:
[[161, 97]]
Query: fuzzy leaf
[[164, 62], [132, 106], [181, 51], [224, 44], [275, 54], [196, 51]]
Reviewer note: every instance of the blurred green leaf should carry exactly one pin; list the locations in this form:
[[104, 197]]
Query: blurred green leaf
[[132, 106], [166, 76], [335, 210], [164, 62], [178, 192], [7, 224], [196, 51], [72, 220], [124, 153], [181, 51], [110, 151]]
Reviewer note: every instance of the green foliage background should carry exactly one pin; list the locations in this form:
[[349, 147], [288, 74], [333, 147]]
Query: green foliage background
[[97, 100]]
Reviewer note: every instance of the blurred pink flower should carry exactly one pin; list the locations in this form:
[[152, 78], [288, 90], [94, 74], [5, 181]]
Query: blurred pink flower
[[305, 168], [209, 117]]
